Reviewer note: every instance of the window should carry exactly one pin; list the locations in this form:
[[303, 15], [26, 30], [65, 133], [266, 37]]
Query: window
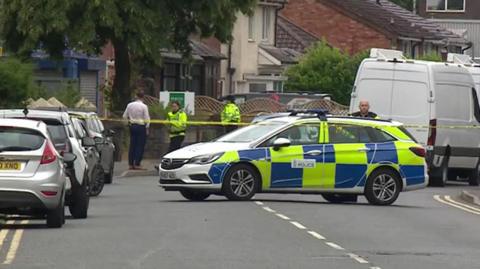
[[251, 26], [170, 75], [257, 87], [304, 134], [278, 86], [445, 5], [20, 139], [344, 133], [251, 133], [266, 23], [378, 136], [476, 107]]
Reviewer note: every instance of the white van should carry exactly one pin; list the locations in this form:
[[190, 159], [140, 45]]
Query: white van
[[436, 101], [469, 64]]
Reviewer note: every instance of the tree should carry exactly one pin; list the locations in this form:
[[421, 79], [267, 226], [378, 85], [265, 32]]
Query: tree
[[16, 83], [136, 28], [325, 69]]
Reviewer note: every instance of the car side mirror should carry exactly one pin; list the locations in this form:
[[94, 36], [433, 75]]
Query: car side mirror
[[88, 142], [281, 143], [109, 132], [68, 157], [99, 140]]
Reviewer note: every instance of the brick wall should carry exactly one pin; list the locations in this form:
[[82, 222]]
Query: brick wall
[[339, 30]]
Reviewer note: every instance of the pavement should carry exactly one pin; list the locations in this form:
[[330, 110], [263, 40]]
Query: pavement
[[122, 169], [472, 196], [133, 224]]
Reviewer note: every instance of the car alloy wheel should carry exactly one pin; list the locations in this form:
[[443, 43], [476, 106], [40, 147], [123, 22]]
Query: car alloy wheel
[[241, 182], [383, 187]]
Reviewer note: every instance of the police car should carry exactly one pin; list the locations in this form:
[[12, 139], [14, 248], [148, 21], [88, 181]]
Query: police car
[[305, 152]]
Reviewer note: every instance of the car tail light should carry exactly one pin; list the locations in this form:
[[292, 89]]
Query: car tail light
[[49, 155], [49, 193], [419, 151], [432, 132]]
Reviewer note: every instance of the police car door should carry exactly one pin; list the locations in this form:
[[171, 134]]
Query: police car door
[[346, 161], [295, 165]]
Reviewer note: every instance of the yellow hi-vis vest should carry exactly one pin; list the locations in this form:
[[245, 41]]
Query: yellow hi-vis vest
[[178, 123], [230, 113]]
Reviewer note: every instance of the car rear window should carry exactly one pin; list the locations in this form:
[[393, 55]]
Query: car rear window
[[57, 132], [19, 139], [405, 131]]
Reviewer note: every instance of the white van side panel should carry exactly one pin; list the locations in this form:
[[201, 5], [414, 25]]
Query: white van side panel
[[455, 107]]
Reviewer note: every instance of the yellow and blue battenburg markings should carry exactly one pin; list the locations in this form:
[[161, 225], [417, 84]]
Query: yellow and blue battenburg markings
[[338, 166]]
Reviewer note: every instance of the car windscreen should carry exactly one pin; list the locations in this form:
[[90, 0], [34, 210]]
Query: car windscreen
[[19, 139], [57, 132], [252, 132]]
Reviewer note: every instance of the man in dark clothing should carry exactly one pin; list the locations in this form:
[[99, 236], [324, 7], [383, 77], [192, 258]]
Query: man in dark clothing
[[364, 112]]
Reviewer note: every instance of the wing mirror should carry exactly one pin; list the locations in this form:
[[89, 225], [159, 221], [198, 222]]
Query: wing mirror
[[88, 142], [69, 158], [281, 143]]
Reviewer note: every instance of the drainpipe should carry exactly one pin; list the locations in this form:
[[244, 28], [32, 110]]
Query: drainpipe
[[230, 70]]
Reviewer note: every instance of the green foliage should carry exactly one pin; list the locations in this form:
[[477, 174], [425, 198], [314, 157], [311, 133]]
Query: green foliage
[[433, 57], [16, 83], [325, 70], [69, 95], [157, 112], [138, 29]]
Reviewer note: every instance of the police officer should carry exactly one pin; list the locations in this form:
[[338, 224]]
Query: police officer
[[364, 112], [178, 124], [230, 114]]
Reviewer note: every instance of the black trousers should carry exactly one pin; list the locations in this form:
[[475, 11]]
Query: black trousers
[[175, 142], [138, 137]]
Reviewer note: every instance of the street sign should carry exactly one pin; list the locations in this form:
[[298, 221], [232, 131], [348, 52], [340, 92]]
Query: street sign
[[186, 100]]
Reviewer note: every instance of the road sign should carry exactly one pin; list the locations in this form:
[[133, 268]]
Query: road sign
[[186, 100]]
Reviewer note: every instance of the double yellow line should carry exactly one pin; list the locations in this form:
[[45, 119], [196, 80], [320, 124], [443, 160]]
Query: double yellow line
[[14, 242], [462, 206]]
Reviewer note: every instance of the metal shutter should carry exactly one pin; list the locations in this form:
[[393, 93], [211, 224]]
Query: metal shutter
[[88, 86]]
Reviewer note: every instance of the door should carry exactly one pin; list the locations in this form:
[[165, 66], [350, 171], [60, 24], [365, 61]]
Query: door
[[346, 155], [299, 164]]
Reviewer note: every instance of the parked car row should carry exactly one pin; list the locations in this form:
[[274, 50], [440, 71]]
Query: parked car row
[[50, 159]]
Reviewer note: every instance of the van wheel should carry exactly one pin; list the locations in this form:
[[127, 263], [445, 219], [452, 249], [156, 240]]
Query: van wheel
[[439, 179], [241, 183], [98, 182], [194, 195], [340, 198], [382, 187], [474, 176]]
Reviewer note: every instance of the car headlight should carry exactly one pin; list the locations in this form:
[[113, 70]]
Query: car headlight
[[204, 159]]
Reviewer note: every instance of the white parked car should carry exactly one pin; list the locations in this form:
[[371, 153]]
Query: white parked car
[[32, 174], [436, 101]]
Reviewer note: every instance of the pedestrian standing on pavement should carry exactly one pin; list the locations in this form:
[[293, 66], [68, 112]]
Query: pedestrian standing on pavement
[[230, 114], [139, 122], [364, 112], [178, 125]]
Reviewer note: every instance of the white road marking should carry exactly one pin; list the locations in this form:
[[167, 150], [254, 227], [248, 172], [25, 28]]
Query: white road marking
[[448, 198], [4, 233], [298, 225], [375, 267], [17, 237], [357, 258], [437, 197], [258, 203], [316, 235], [335, 246], [282, 216], [268, 209]]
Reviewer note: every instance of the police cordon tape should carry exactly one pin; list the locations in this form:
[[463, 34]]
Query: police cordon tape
[[167, 122]]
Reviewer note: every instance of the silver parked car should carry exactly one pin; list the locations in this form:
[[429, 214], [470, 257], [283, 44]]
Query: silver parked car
[[103, 140], [32, 175]]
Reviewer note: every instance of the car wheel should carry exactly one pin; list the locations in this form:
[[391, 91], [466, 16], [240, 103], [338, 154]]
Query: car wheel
[[474, 176], [79, 201], [194, 195], [56, 217], [109, 176], [382, 187], [240, 183], [340, 198], [440, 179], [98, 181]]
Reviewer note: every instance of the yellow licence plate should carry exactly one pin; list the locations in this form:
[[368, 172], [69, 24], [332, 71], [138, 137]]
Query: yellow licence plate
[[10, 166]]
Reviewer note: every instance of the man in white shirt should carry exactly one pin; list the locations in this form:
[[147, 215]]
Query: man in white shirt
[[139, 121]]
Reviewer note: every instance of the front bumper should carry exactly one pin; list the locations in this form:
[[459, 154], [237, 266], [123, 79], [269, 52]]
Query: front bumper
[[189, 176]]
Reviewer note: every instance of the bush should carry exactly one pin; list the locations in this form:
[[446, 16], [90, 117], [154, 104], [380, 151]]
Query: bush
[[69, 95], [433, 57], [325, 69], [16, 83], [157, 112]]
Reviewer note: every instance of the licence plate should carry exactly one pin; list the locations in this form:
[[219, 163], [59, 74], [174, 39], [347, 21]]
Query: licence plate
[[168, 175], [16, 166]]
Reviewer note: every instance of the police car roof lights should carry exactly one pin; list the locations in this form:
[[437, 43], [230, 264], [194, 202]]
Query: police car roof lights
[[320, 113]]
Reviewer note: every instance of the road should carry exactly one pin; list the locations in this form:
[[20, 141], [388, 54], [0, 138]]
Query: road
[[134, 224]]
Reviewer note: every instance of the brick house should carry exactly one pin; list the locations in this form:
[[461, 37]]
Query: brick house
[[459, 16], [357, 25]]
